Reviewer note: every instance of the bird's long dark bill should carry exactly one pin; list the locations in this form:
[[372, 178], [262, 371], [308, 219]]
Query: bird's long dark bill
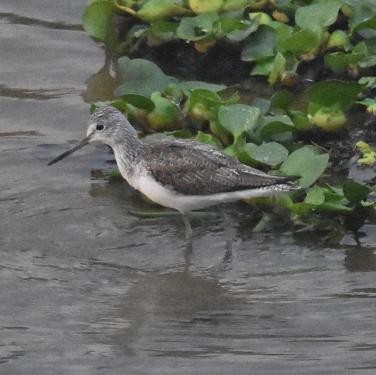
[[83, 143]]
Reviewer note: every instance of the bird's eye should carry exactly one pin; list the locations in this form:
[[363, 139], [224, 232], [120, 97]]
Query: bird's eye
[[99, 127]]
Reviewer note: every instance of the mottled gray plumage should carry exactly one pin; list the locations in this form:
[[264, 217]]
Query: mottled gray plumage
[[194, 168]]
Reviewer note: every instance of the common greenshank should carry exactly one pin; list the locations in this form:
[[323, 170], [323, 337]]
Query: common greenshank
[[181, 174]]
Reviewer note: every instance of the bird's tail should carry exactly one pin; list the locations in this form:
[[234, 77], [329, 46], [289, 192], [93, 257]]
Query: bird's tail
[[289, 181]]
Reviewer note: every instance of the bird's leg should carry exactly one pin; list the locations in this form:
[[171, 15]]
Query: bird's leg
[[188, 252], [187, 224], [227, 258]]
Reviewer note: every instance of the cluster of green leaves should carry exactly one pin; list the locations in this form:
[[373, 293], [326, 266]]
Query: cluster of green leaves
[[275, 36], [264, 135], [368, 154]]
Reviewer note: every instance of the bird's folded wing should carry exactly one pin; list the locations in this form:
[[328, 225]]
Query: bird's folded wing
[[194, 168]]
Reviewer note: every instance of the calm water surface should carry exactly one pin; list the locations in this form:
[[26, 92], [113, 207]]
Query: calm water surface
[[88, 287]]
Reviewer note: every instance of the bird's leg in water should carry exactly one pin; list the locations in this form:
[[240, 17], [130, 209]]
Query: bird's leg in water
[[187, 224], [227, 258]]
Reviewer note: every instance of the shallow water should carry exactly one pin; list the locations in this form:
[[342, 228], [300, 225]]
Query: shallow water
[[89, 287]]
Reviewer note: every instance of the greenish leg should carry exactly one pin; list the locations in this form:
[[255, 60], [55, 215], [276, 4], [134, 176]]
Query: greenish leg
[[187, 224]]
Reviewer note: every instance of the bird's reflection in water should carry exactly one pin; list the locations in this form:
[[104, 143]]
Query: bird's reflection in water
[[169, 311], [167, 308]]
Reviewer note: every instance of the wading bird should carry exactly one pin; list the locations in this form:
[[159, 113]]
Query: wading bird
[[181, 174]]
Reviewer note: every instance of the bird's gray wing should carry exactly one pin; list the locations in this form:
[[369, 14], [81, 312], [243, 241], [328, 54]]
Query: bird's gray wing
[[195, 168]]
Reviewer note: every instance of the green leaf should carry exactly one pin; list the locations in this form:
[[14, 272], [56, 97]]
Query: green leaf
[[279, 66], [355, 192], [97, 21], [339, 39], [271, 153], [238, 118], [275, 125], [336, 207], [341, 61], [235, 4], [307, 163], [261, 18], [369, 82], [300, 120], [208, 139], [262, 104], [301, 41], [164, 115], [204, 98], [261, 44], [370, 43], [282, 100], [236, 30], [323, 199], [302, 208], [192, 85], [199, 6], [154, 10], [338, 94], [363, 15], [329, 119], [368, 154], [196, 28], [226, 25], [141, 77], [317, 16], [315, 196], [139, 101], [236, 148], [283, 31], [370, 105], [247, 154], [263, 68], [203, 104], [164, 30]]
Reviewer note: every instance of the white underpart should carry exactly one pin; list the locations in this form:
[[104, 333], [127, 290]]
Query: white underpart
[[160, 194]]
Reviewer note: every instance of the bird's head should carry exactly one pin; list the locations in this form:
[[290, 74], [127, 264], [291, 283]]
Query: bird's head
[[106, 125]]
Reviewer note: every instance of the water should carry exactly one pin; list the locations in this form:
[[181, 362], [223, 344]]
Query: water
[[88, 287]]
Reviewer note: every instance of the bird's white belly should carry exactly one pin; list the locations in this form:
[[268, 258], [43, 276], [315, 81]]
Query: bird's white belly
[[166, 197], [185, 203], [161, 194]]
